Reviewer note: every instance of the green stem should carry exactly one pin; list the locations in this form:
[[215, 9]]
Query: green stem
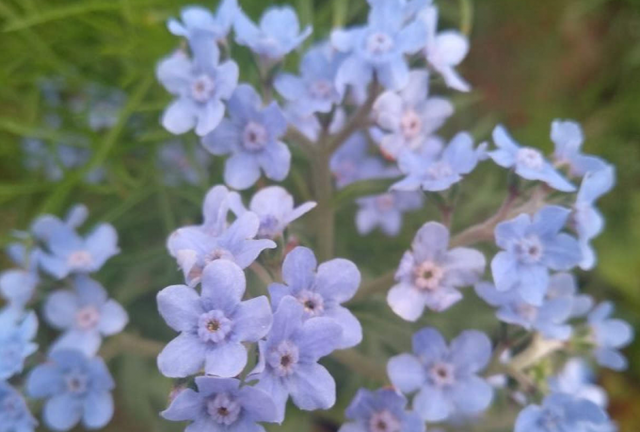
[[325, 213]]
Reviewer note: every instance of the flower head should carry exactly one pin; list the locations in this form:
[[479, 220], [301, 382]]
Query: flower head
[[252, 136], [384, 410], [16, 342], [321, 291], [528, 162], [446, 377], [576, 378], [213, 325], [276, 36], [409, 116], [562, 412], [14, 413], [564, 285], [288, 364], [199, 22], [385, 211], [429, 275], [199, 86], [532, 246], [77, 389], [274, 206], [568, 138], [221, 405], [609, 335], [17, 287], [85, 315]]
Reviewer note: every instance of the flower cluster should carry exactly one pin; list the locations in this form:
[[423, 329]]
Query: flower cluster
[[74, 381], [364, 110]]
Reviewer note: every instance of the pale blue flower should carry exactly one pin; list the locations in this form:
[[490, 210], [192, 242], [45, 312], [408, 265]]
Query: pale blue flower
[[76, 388], [379, 47], [532, 246], [445, 50], [179, 166], [16, 342], [85, 315], [196, 246], [103, 106], [528, 162], [199, 22], [384, 410], [410, 117], [275, 208], [199, 86], [564, 285], [568, 138], [212, 325], [609, 335], [577, 378], [385, 211], [288, 364], [252, 136], [587, 221], [221, 405], [14, 413], [550, 318], [321, 290], [561, 412], [438, 172], [314, 90], [277, 34], [446, 377], [53, 160], [430, 274], [17, 288]]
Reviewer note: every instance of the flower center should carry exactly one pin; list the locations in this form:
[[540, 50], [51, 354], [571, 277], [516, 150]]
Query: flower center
[[284, 358], [214, 326], [428, 276], [79, 259], [76, 382], [440, 170], [217, 254], [530, 158], [87, 317], [385, 202], [224, 409], [551, 421], [268, 226], [254, 137], [202, 88], [411, 124], [442, 374], [379, 43], [529, 249], [313, 303], [320, 89], [527, 311], [11, 406], [384, 421]]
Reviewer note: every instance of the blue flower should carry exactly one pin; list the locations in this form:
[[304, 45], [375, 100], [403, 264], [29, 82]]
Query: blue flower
[[213, 325], [528, 162], [274, 206], [429, 275], [276, 36], [314, 91], [252, 136], [409, 116], [14, 413], [609, 336], [179, 166], [587, 220], [17, 287], [196, 246], [576, 378], [16, 342], [200, 86], [76, 388], [85, 315], [385, 210], [384, 410], [550, 318], [445, 50], [67, 252], [564, 285], [568, 138], [532, 246], [562, 412], [321, 292], [221, 405], [438, 172], [378, 47], [288, 364], [199, 22], [446, 377]]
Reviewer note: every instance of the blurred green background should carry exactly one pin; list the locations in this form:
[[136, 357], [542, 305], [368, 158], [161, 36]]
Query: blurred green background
[[530, 62]]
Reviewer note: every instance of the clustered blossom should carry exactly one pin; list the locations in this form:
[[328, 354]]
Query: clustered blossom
[[75, 383]]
